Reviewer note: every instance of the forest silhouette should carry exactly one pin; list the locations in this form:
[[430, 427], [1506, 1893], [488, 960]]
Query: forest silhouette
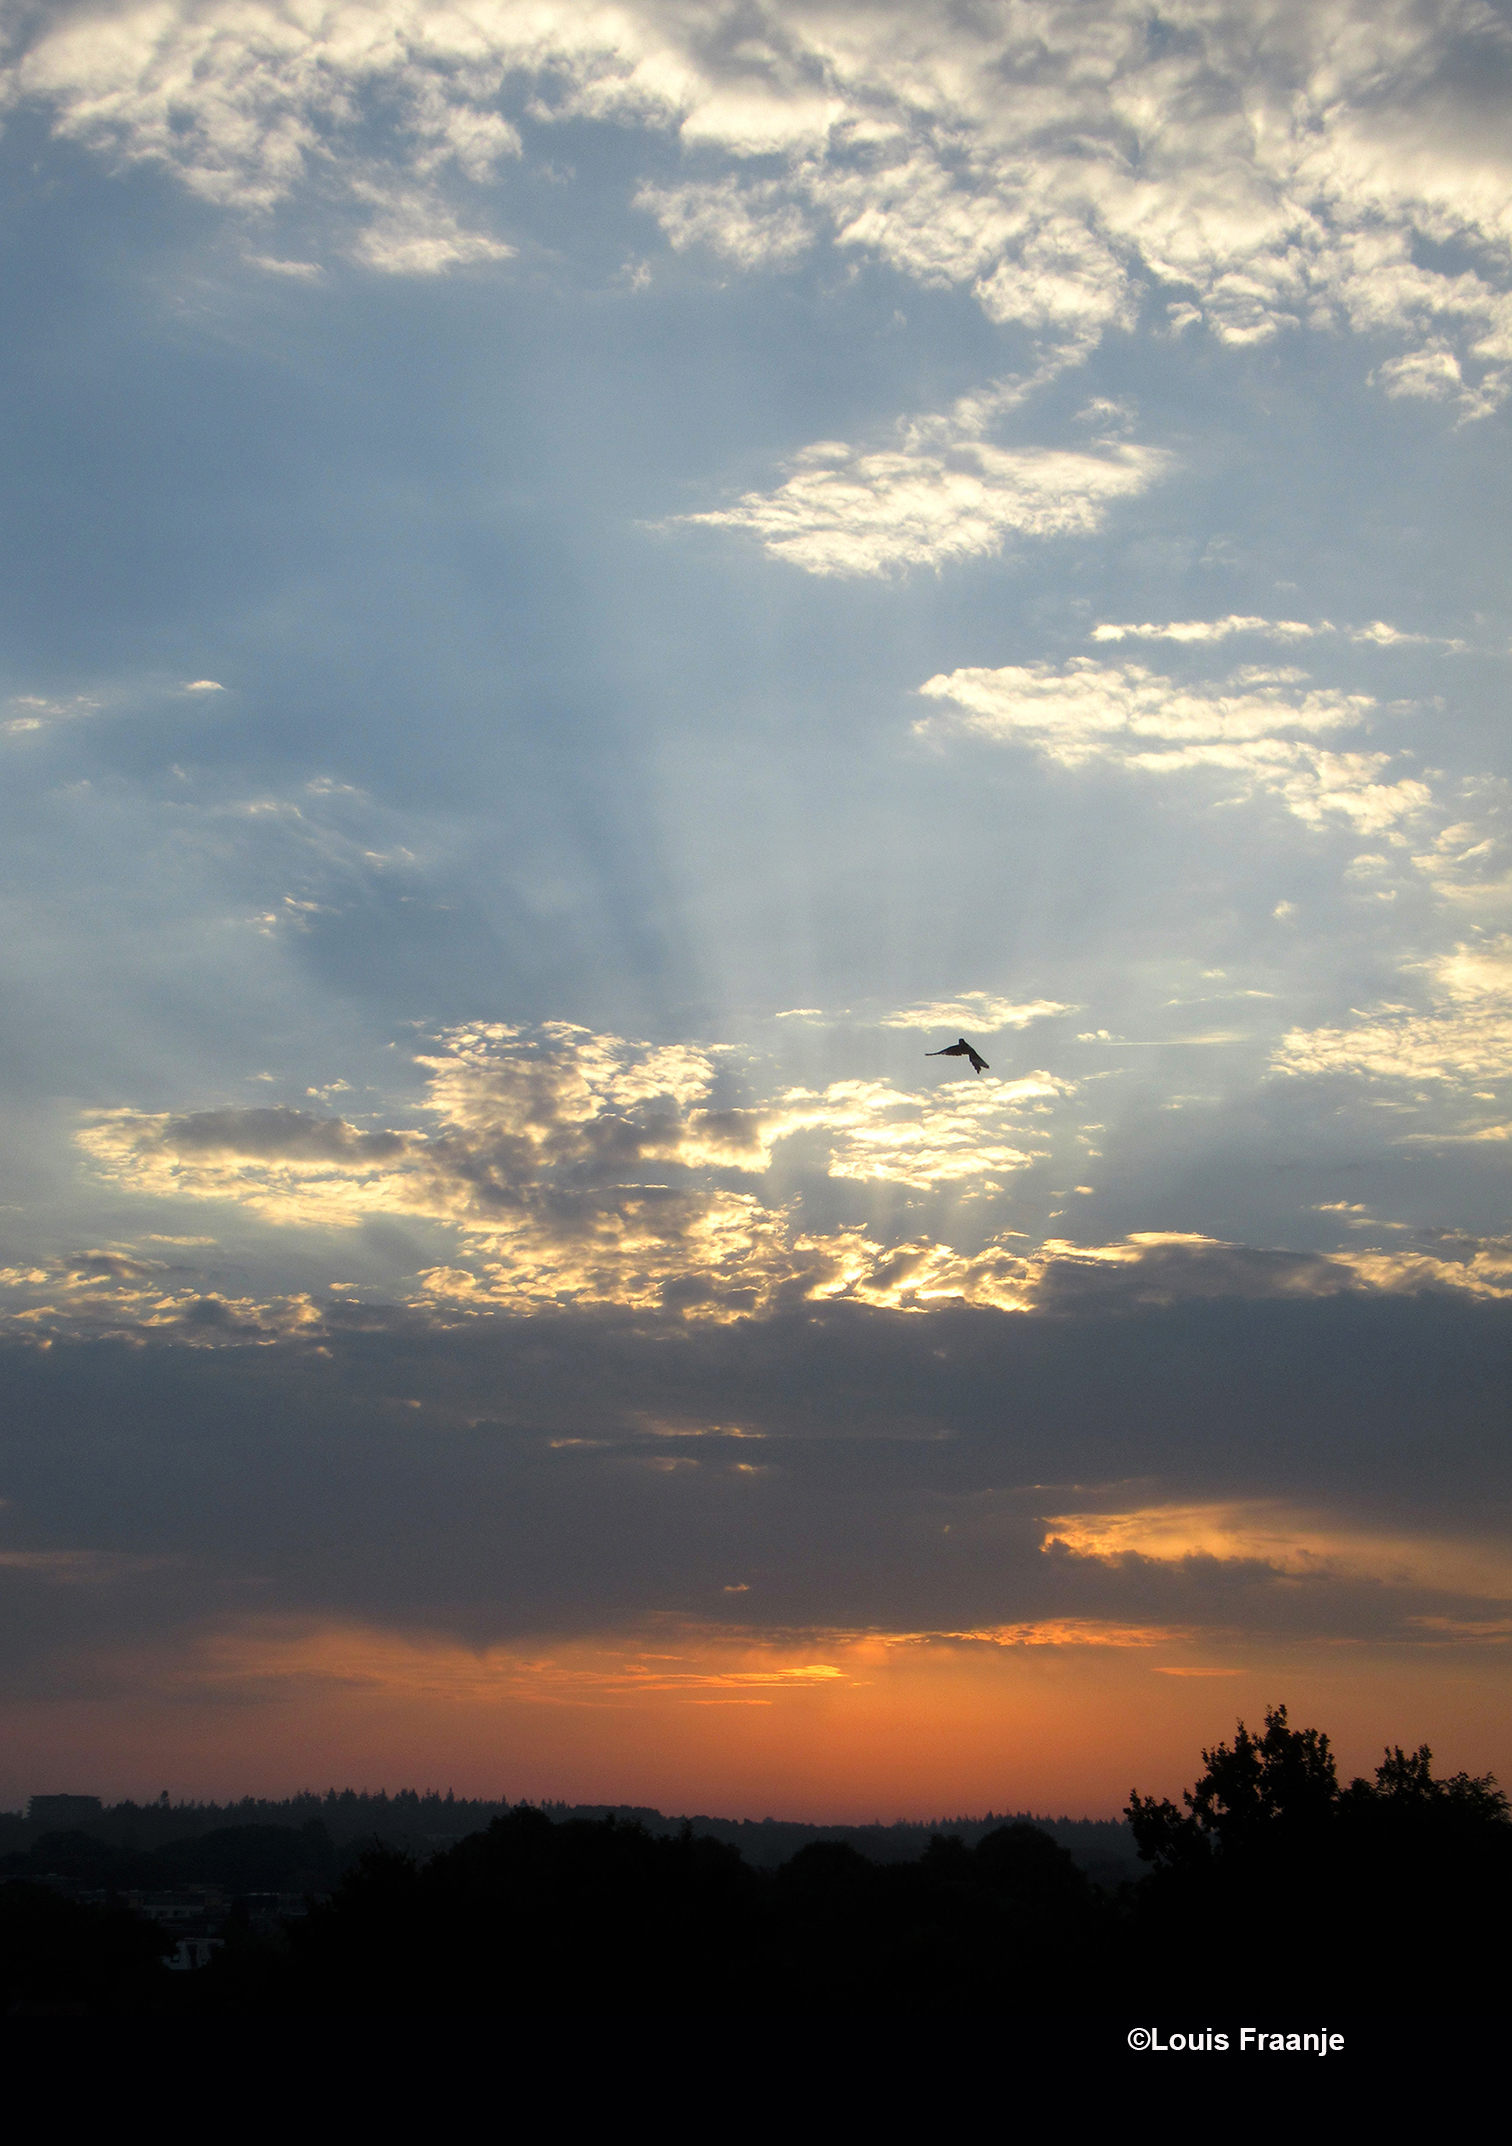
[[1272, 1886]]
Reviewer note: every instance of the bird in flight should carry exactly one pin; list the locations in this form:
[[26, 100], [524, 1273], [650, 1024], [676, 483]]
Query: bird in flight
[[962, 1049]]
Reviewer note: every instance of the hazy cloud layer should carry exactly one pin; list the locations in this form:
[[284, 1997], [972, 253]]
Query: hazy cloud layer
[[974, 1479]]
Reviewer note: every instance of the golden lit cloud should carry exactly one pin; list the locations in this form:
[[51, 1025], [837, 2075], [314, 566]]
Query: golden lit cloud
[[578, 1168], [575, 1169], [1288, 1541], [667, 1664]]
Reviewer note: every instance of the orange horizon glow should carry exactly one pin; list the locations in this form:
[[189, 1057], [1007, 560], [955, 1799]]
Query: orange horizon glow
[[833, 1728]]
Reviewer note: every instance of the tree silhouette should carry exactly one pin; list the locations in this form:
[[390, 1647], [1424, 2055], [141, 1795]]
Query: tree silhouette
[[1393, 1891], [1270, 1887], [1282, 1787]]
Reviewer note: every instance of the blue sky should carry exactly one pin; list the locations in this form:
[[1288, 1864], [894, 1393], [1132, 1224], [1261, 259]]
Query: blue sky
[[583, 586]]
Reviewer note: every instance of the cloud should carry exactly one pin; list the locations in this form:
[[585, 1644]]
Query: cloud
[[414, 234], [76, 1568], [1463, 1037], [944, 494], [1152, 1267], [1054, 162], [1468, 864], [1087, 709], [271, 265], [756, 226], [875, 1132], [578, 1168], [1136, 719], [1293, 1543], [709, 1254], [955, 1480], [37, 712], [1377, 634], [1431, 374], [978, 1009]]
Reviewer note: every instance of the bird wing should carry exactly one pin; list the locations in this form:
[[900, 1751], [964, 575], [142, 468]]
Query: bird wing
[[978, 1063]]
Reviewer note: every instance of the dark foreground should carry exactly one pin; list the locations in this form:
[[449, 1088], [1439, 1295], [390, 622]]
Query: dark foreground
[[1273, 1889]]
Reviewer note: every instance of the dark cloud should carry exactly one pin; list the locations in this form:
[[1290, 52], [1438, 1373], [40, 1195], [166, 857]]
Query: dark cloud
[[295, 1135], [852, 1468], [115, 1267]]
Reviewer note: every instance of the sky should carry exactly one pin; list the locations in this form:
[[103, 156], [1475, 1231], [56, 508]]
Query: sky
[[583, 585]]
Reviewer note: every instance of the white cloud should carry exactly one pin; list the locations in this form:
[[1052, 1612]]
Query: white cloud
[[1469, 863], [981, 1010], [271, 265], [1265, 171], [1431, 374], [961, 1134], [1377, 633], [1462, 1038], [1136, 719], [755, 226], [415, 234], [944, 494]]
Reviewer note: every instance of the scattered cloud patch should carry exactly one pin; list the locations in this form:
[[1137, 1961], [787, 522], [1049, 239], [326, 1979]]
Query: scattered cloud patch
[[1377, 633], [944, 493], [754, 225], [1292, 1543], [1138, 720], [579, 1169], [1468, 864], [299, 271], [981, 1010], [36, 712], [417, 235], [1462, 1038]]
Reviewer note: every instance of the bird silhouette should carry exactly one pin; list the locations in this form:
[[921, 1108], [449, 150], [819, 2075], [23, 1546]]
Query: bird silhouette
[[962, 1049]]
